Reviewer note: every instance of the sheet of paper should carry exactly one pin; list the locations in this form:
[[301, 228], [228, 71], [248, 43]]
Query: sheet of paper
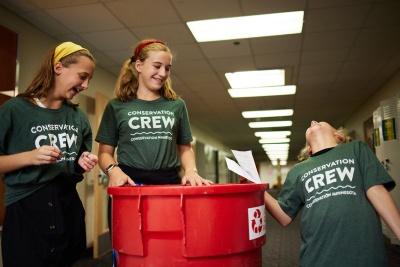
[[245, 167], [233, 166], [246, 161]]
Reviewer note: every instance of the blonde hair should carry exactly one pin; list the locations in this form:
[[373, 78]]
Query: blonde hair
[[128, 83], [44, 78], [342, 139]]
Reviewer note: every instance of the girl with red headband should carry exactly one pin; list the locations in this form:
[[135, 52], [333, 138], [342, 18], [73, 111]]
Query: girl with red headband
[[45, 144], [149, 124]]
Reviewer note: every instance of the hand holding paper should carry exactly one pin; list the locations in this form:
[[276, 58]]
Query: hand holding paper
[[246, 167]]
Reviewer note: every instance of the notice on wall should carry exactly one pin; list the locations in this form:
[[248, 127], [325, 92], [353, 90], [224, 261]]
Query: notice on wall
[[389, 129], [376, 137]]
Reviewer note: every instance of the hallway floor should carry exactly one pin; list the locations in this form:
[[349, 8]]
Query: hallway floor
[[281, 249]]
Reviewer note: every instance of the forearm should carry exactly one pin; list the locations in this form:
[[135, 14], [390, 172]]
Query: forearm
[[105, 160], [384, 204], [14, 162], [186, 157], [273, 207], [106, 156]]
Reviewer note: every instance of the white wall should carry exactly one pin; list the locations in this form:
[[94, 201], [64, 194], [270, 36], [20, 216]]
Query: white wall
[[356, 121]]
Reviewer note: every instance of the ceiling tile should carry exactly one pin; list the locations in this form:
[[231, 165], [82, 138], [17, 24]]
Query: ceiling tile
[[86, 18], [340, 18], [207, 9], [111, 40]]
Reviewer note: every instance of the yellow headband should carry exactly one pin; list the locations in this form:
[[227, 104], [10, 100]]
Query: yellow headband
[[65, 49]]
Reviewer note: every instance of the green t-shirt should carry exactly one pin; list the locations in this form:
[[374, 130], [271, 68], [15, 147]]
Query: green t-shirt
[[146, 132], [25, 127], [339, 226]]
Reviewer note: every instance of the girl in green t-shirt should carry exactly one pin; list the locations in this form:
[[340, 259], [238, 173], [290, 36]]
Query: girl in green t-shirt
[[342, 190], [45, 144], [149, 125]]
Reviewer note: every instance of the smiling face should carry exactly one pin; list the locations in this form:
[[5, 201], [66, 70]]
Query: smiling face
[[153, 72], [72, 79]]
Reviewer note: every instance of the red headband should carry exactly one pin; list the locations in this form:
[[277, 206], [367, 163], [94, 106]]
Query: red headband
[[144, 44]]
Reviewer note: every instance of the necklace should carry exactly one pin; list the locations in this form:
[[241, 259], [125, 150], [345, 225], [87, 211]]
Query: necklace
[[40, 104]]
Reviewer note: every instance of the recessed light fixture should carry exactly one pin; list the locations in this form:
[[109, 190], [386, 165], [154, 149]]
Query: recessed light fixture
[[256, 78], [272, 157], [273, 134], [281, 162], [276, 146], [273, 140], [247, 26], [264, 124], [267, 113], [262, 91]]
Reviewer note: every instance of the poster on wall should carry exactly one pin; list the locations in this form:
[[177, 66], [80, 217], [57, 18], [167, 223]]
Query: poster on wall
[[389, 129], [376, 137]]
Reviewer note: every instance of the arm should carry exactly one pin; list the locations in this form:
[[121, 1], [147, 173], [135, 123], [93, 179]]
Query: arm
[[116, 175], [188, 163], [40, 156], [273, 207], [383, 203]]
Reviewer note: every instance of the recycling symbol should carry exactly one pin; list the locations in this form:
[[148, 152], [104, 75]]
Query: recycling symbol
[[256, 223]]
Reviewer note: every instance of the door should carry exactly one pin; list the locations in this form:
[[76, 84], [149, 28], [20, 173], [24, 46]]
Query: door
[[8, 70], [101, 237]]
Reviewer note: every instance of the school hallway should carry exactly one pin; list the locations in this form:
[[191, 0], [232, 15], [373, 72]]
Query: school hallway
[[281, 248]]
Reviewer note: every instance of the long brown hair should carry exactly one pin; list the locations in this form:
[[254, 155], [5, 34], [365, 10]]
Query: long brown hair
[[128, 83], [44, 78]]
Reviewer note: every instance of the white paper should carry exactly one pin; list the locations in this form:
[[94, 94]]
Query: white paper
[[246, 167]]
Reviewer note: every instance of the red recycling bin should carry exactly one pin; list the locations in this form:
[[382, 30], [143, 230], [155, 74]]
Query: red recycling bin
[[192, 226]]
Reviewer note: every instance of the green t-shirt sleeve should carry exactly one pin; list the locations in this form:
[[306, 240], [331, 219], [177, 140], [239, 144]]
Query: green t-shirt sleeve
[[373, 171], [291, 198], [108, 132], [184, 131]]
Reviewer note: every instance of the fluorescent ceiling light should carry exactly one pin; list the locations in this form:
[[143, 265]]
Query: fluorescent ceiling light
[[276, 146], [264, 124], [262, 91], [277, 157], [247, 26], [277, 154], [267, 113], [257, 78], [274, 140], [281, 162], [273, 134]]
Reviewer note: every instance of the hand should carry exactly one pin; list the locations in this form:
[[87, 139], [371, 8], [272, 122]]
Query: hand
[[192, 178], [119, 178], [46, 155], [87, 161]]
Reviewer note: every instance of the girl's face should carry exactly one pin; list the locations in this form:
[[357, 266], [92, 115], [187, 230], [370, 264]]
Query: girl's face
[[319, 127], [154, 71], [73, 79]]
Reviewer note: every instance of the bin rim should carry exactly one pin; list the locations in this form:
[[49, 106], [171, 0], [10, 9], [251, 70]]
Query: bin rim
[[230, 188]]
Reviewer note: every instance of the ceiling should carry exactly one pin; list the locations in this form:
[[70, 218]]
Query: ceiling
[[347, 50]]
